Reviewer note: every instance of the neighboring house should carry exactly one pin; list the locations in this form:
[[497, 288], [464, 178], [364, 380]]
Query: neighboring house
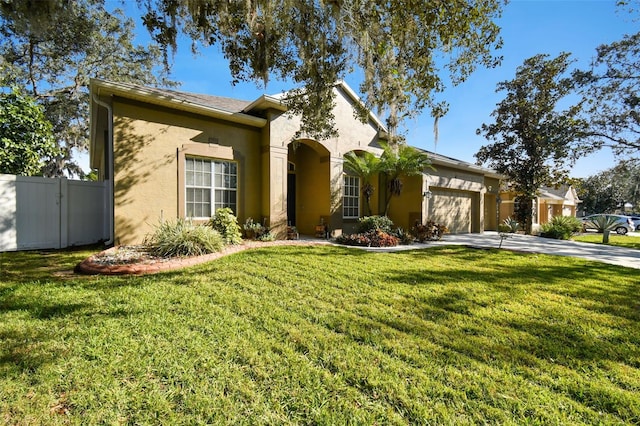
[[168, 154], [550, 202]]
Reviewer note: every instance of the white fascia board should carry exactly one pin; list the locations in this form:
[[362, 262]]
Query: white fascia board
[[266, 102]]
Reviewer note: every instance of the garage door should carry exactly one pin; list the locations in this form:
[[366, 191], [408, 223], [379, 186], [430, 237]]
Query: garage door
[[452, 208]]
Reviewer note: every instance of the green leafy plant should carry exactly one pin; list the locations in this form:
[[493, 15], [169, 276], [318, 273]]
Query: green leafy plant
[[253, 230], [225, 222], [372, 223], [26, 136], [561, 227], [183, 238], [266, 236]]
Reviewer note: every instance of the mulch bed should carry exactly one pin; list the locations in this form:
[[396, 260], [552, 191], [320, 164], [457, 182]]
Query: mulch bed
[[136, 260]]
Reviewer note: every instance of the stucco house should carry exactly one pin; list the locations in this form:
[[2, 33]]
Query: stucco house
[[550, 202], [167, 154]]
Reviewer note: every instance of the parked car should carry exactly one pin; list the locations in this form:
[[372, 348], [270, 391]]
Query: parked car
[[624, 224], [636, 222]]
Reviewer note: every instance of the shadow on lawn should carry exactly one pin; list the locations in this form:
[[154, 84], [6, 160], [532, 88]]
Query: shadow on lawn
[[560, 304]]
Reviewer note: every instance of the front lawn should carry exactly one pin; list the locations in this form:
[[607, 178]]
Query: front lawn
[[322, 335], [614, 240]]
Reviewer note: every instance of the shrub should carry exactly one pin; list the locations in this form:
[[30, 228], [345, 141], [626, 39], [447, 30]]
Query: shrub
[[371, 238], [403, 236], [226, 224], [561, 227], [430, 231], [253, 230], [183, 238], [266, 236], [371, 223]]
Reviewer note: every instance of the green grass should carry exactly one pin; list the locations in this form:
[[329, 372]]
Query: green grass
[[322, 335], [628, 241]]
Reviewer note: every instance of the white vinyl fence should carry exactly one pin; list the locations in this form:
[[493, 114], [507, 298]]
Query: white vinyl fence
[[42, 213]]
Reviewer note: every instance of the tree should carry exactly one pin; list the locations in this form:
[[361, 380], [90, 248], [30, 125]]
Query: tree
[[26, 137], [608, 191], [365, 166], [534, 143], [401, 46], [398, 162], [51, 49], [611, 90]]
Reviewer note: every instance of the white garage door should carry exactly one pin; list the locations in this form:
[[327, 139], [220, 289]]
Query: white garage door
[[452, 208]]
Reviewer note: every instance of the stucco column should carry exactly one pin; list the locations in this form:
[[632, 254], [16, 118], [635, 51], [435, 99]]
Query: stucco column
[[426, 197], [483, 192], [336, 173], [276, 182]]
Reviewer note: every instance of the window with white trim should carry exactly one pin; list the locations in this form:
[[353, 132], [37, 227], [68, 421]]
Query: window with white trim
[[210, 185], [351, 197]]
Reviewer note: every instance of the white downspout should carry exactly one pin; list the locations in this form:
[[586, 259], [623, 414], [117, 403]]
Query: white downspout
[[109, 148]]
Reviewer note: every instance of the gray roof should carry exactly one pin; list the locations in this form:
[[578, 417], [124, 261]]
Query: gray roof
[[454, 162], [218, 102]]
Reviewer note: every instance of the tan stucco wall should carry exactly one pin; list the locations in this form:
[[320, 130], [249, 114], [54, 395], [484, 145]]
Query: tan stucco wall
[[458, 198], [353, 135], [408, 206], [149, 149], [312, 187]]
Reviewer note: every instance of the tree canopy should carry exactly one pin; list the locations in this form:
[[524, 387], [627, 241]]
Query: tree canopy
[[26, 137], [611, 88], [534, 142], [51, 49], [401, 47], [608, 191], [398, 162]]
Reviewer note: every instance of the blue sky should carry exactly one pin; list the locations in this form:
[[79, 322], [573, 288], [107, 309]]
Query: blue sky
[[528, 28]]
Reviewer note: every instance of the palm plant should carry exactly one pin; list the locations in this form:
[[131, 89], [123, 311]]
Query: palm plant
[[365, 166], [398, 161], [604, 224]]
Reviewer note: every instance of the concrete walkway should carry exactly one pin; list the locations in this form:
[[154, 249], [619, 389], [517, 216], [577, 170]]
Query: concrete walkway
[[526, 243]]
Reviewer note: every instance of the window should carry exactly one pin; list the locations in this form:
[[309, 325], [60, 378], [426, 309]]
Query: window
[[351, 200], [210, 185]]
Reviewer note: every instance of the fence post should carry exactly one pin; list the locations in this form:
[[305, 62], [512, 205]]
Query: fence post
[[63, 204]]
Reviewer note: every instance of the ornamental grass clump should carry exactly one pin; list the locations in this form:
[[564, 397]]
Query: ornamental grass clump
[[183, 238]]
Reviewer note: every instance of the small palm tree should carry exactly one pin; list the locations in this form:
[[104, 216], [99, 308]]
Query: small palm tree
[[365, 166], [399, 161]]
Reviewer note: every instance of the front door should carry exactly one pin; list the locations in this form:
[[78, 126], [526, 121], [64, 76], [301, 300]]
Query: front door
[[291, 199]]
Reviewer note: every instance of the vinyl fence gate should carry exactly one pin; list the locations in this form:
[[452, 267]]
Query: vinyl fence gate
[[44, 213]]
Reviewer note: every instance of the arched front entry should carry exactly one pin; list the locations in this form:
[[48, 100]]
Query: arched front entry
[[308, 185]]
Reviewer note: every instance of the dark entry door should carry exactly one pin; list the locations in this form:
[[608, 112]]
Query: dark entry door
[[291, 199]]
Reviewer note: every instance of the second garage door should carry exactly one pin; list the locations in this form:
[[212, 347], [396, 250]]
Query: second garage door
[[452, 208]]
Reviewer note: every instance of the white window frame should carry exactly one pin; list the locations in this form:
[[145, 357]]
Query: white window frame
[[213, 185], [351, 197]]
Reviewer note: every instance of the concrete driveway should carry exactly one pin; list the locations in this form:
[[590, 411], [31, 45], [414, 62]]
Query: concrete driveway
[[530, 244], [527, 243]]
